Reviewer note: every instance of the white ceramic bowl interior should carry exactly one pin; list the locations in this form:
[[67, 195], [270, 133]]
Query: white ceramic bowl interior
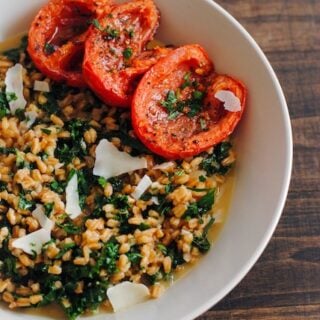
[[264, 148]]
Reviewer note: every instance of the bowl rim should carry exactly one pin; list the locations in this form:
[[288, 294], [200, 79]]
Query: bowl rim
[[238, 277], [211, 301]]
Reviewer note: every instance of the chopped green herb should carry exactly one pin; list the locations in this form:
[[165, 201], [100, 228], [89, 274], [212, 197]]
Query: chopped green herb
[[97, 24], [51, 106], [116, 183], [69, 227], [162, 248], [187, 82], [20, 114], [199, 208], [25, 204], [46, 131], [57, 186], [49, 48], [212, 164], [143, 226], [202, 178], [102, 182], [6, 151], [130, 33], [3, 186], [11, 96], [65, 248], [170, 105], [111, 33], [127, 53], [48, 207], [4, 106]]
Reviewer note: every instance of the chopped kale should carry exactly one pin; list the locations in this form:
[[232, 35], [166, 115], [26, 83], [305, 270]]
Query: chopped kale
[[4, 106], [162, 248], [25, 204], [57, 186], [69, 227], [175, 254], [134, 255], [213, 163], [102, 182], [202, 242], [48, 207], [69, 148], [51, 105], [116, 183], [65, 248], [7, 151], [3, 185], [199, 208]]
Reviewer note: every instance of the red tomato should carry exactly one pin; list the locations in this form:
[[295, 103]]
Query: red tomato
[[112, 49], [174, 109], [57, 35]]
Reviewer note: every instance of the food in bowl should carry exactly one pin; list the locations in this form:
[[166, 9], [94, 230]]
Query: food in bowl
[[110, 196]]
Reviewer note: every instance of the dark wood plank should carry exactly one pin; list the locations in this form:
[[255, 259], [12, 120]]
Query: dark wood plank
[[285, 283]]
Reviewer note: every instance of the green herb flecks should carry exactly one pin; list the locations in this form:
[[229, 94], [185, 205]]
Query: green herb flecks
[[127, 53], [175, 107], [49, 48]]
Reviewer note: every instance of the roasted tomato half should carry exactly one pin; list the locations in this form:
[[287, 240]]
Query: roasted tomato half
[[57, 35], [112, 64], [175, 109]]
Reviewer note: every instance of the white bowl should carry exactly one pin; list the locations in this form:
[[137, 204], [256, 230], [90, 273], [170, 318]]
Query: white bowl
[[264, 148]]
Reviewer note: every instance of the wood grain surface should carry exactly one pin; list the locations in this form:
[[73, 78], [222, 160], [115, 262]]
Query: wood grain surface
[[285, 283]]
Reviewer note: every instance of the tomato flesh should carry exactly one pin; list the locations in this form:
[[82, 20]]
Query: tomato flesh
[[113, 47], [57, 35], [166, 115]]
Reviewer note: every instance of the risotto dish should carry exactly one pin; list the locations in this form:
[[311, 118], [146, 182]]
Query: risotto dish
[[114, 150]]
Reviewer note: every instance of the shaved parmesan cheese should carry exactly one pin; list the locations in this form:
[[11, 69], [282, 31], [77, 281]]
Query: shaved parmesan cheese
[[142, 186], [32, 242], [58, 166], [127, 294], [111, 162], [231, 101], [164, 166], [14, 87], [155, 200], [44, 221], [31, 117], [42, 86], [72, 198]]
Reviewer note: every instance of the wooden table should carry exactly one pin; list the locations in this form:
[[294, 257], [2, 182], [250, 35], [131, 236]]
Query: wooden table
[[285, 283]]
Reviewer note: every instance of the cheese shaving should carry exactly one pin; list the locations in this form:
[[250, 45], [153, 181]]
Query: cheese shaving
[[127, 294], [33, 242], [72, 198], [44, 221], [155, 200], [110, 162], [164, 166], [14, 88], [231, 101], [142, 186], [42, 86]]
